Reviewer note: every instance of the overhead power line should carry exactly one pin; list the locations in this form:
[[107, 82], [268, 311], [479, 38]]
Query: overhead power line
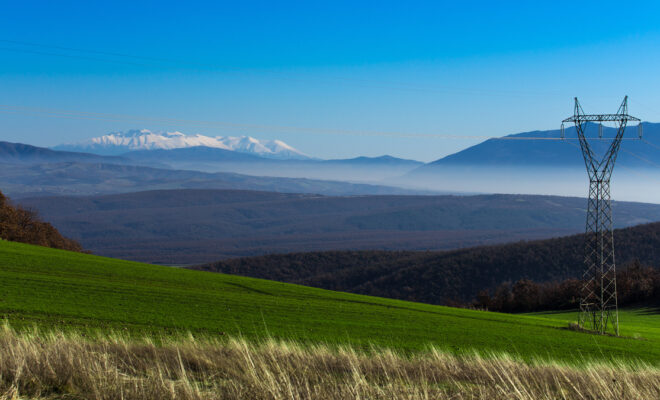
[[103, 53], [637, 156], [79, 57], [74, 52], [84, 54], [650, 144], [83, 115]]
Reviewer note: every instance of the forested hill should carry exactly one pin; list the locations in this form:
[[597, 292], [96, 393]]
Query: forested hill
[[198, 226], [20, 225], [441, 277]]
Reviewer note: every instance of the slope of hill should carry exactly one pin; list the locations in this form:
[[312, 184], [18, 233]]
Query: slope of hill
[[16, 158], [20, 225], [503, 152], [199, 154], [24, 153], [59, 289], [441, 277], [195, 226], [83, 178], [516, 165], [209, 159]]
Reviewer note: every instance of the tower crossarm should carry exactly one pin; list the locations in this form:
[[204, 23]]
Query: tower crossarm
[[582, 118]]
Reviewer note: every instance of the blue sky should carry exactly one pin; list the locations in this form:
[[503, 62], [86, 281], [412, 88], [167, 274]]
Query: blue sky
[[319, 75]]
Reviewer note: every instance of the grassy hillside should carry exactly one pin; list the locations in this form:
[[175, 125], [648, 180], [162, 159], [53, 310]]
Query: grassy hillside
[[59, 289], [641, 321]]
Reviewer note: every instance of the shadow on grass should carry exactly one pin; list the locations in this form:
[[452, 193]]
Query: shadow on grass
[[553, 312], [655, 310]]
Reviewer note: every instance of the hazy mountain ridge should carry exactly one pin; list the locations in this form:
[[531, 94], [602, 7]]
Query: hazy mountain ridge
[[539, 166], [360, 169], [78, 178], [556, 153], [192, 226], [211, 154], [243, 155], [20, 152], [35, 171], [513, 165]]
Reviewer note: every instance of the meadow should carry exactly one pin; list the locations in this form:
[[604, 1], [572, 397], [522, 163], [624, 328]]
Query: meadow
[[73, 292], [638, 322]]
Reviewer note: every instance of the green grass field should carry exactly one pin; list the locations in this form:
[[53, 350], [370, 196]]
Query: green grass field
[[59, 289], [642, 323]]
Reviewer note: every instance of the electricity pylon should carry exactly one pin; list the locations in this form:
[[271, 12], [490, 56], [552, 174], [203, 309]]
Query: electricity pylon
[[598, 303]]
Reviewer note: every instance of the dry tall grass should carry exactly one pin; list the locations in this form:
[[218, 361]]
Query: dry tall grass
[[57, 365]]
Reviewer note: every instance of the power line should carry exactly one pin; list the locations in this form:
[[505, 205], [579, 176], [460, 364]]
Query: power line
[[79, 57], [358, 81], [104, 53], [650, 144], [631, 170], [641, 158], [631, 153], [83, 115]]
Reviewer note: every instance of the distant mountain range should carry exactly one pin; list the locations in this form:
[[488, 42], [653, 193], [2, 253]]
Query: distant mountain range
[[207, 159], [25, 153], [80, 178], [520, 163], [243, 155], [515, 150], [35, 171], [117, 143], [526, 163]]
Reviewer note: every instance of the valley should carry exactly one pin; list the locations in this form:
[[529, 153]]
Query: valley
[[329, 201], [196, 226]]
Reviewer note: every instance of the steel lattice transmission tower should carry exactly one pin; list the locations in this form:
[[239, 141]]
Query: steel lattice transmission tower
[[598, 303]]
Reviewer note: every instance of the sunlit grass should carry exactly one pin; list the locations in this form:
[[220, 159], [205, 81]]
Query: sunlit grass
[[63, 291], [56, 364]]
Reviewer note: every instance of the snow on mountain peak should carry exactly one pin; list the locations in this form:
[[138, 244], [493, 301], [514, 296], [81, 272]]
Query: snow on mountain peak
[[115, 143]]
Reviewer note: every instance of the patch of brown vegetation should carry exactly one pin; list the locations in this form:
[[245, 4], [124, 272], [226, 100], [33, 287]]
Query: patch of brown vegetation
[[20, 225], [58, 365]]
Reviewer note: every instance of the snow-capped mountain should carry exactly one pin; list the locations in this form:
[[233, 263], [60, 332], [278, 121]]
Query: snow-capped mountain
[[116, 143]]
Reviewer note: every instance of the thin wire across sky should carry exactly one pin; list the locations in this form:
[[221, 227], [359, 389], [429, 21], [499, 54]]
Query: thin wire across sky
[[129, 59], [84, 115]]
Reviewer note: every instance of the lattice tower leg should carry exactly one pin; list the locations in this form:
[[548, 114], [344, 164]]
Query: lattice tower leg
[[598, 305]]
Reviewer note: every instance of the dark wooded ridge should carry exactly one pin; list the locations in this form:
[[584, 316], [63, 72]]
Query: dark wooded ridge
[[635, 283], [443, 277]]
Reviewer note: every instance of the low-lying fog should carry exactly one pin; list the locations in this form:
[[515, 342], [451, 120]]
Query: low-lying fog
[[627, 184]]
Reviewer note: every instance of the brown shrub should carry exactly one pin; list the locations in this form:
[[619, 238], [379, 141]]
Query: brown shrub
[[20, 225]]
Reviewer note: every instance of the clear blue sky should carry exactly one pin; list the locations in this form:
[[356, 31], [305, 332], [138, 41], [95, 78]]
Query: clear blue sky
[[460, 68]]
